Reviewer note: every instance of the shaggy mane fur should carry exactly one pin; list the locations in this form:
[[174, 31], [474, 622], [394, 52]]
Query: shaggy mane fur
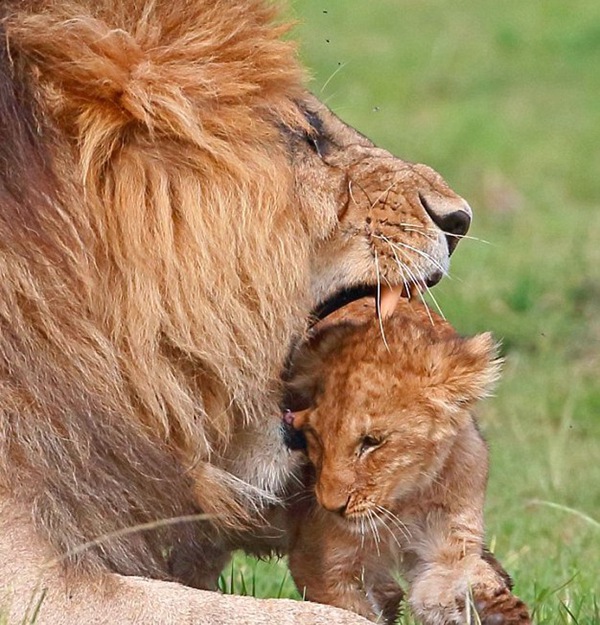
[[127, 165]]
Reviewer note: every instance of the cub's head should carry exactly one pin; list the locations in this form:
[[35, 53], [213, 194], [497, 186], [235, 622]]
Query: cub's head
[[381, 419]]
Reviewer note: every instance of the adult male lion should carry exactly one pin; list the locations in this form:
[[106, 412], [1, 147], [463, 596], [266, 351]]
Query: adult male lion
[[173, 204]]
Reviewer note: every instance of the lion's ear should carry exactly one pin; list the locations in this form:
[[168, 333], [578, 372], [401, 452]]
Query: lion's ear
[[465, 370], [115, 71], [102, 71]]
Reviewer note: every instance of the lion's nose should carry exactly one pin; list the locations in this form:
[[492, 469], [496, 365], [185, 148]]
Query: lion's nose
[[452, 217]]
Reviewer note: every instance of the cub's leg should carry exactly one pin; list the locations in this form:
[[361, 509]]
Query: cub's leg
[[454, 576], [330, 566], [30, 587], [447, 593]]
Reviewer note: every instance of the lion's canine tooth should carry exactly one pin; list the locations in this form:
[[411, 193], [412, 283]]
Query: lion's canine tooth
[[390, 296]]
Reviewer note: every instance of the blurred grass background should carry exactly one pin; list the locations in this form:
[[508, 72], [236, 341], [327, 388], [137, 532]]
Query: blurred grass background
[[503, 99]]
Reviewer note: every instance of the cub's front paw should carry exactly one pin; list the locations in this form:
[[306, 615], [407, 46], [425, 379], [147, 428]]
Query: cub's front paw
[[450, 595], [500, 607]]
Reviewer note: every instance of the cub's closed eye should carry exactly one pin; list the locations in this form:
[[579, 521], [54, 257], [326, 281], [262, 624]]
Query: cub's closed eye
[[369, 442]]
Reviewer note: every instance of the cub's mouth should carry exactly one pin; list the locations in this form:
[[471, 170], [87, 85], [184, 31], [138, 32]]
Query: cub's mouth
[[386, 297]]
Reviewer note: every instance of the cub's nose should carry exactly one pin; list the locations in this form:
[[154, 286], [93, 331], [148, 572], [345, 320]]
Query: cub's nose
[[341, 510], [334, 502], [451, 216]]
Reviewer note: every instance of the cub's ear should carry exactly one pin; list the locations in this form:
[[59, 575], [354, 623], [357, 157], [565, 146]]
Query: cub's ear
[[307, 368], [465, 370]]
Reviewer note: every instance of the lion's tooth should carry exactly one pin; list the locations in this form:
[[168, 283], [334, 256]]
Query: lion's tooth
[[390, 296]]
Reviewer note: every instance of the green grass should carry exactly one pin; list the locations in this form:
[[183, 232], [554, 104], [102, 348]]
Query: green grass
[[503, 98]]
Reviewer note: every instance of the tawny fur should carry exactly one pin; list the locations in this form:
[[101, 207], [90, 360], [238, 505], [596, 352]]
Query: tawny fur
[[400, 470], [166, 227]]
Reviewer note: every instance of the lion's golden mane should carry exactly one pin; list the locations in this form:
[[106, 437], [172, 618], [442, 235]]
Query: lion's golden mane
[[144, 223]]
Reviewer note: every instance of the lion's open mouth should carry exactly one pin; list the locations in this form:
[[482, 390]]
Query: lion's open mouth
[[386, 297]]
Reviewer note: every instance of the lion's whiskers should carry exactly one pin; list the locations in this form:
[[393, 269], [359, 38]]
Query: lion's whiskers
[[379, 300], [333, 74], [435, 302], [414, 278], [422, 299], [425, 255], [435, 479], [422, 229], [297, 479], [429, 237], [350, 193], [402, 267], [299, 497], [385, 192]]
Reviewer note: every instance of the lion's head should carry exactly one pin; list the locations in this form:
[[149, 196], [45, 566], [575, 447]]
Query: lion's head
[[392, 222], [175, 206]]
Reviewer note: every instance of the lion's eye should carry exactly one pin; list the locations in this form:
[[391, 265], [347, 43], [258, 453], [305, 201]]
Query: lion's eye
[[369, 442], [314, 144], [316, 139], [318, 143]]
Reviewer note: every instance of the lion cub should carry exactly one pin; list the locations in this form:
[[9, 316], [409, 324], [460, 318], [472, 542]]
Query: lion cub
[[399, 470]]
